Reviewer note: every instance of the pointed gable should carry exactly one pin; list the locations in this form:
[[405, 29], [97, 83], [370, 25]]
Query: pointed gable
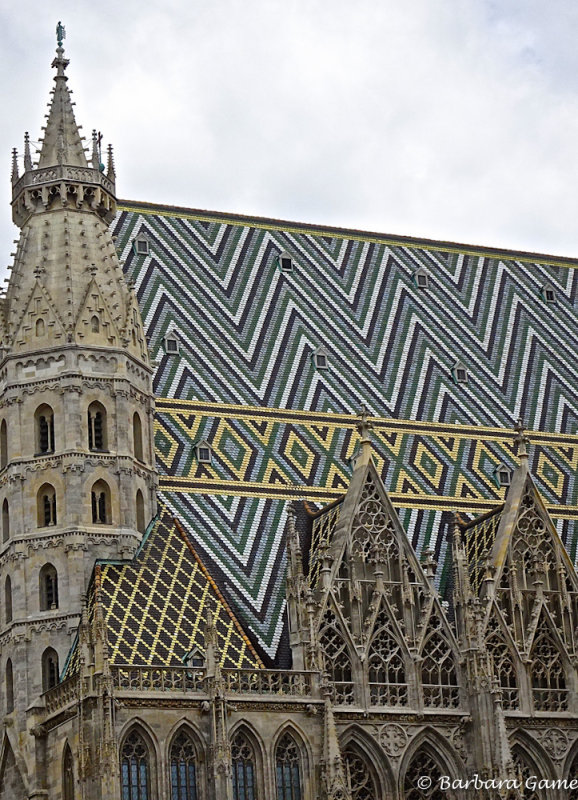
[[40, 323], [94, 324]]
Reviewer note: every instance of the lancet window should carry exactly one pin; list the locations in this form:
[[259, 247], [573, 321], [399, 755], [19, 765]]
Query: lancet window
[[438, 670], [504, 668], [50, 671], [547, 670], [135, 768], [46, 506], [336, 660], [67, 775], [288, 769], [526, 770], [183, 768], [387, 681], [243, 758], [97, 427], [414, 787], [48, 588], [44, 430], [360, 776]]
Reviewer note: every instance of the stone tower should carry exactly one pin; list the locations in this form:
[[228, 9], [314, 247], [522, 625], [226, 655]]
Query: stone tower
[[77, 479]]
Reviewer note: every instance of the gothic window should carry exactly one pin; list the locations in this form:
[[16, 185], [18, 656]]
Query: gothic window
[[504, 668], [3, 444], [438, 670], [140, 512], [547, 671], [387, 684], [50, 671], [67, 774], [336, 660], [97, 427], [134, 768], [526, 769], [44, 417], [5, 521], [40, 327], [243, 759], [48, 588], [8, 599], [288, 769], [9, 677], [46, 506], [95, 324], [100, 503], [137, 437], [414, 788], [183, 768], [360, 776]]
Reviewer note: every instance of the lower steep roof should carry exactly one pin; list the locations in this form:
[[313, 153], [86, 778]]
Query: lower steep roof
[[155, 606]]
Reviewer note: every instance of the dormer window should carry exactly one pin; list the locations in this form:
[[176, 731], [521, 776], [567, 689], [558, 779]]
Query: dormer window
[[321, 358], [172, 345], [141, 245], [421, 278], [204, 452], [195, 659], [548, 293], [503, 475], [286, 263], [459, 372]]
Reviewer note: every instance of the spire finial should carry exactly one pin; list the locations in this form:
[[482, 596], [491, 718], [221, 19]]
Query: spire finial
[[95, 150], [27, 156], [60, 33], [364, 425], [521, 439], [110, 172], [14, 165]]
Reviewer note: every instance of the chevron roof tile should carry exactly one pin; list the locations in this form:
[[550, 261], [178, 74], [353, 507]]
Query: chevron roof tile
[[245, 379]]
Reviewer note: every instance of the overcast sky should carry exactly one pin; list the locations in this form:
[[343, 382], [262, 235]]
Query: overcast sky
[[446, 119]]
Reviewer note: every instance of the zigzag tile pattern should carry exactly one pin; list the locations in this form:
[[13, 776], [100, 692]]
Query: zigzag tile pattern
[[247, 334]]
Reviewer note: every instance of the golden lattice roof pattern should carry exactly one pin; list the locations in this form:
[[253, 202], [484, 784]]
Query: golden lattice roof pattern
[[479, 537], [155, 606], [322, 530]]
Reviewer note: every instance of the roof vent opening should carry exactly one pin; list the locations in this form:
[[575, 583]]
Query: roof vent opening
[[460, 373], [503, 475], [204, 452], [549, 293], [141, 245], [321, 358], [421, 278], [172, 345], [286, 262]]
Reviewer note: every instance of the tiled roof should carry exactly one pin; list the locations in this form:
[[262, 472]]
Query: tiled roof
[[155, 606], [244, 380]]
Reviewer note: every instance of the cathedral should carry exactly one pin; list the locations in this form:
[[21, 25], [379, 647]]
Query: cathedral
[[289, 512]]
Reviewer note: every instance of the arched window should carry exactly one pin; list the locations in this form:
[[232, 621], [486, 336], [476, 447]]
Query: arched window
[[134, 768], [336, 659], [360, 776], [44, 417], [387, 683], [100, 502], [183, 768], [438, 670], [504, 668], [46, 506], [288, 769], [48, 588], [140, 512], [97, 428], [67, 774], [8, 599], [40, 327], [527, 769], [50, 671], [243, 759], [9, 687], [137, 437], [413, 785], [5, 521], [3, 444], [95, 324], [549, 688]]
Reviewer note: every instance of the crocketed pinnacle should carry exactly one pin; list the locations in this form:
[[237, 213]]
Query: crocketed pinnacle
[[62, 143]]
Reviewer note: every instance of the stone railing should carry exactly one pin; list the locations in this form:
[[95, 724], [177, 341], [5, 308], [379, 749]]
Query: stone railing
[[159, 679], [62, 695], [268, 682]]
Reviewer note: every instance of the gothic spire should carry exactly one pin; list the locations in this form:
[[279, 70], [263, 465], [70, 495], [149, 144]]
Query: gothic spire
[[62, 142]]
